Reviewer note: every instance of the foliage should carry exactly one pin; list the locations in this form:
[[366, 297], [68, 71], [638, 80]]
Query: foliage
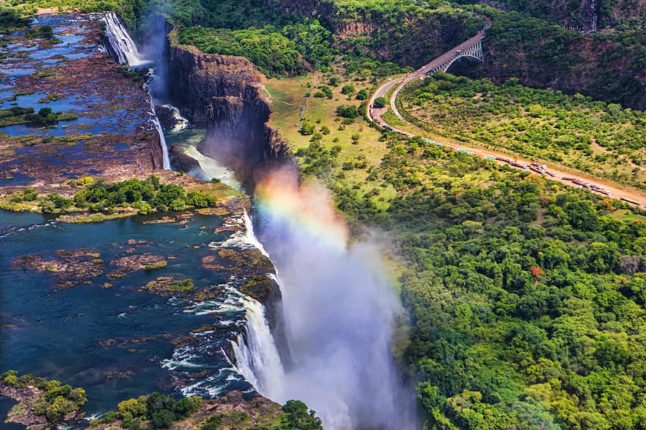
[[606, 66], [404, 31], [347, 111], [593, 136], [156, 411], [44, 117], [151, 193], [11, 19], [273, 53], [317, 159], [496, 343], [297, 417], [55, 400], [380, 102]]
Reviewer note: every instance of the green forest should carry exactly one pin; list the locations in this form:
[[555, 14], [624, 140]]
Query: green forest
[[526, 298], [287, 51], [592, 136]]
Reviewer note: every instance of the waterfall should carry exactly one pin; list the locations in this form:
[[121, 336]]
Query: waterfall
[[125, 51], [251, 235], [256, 355], [122, 45], [160, 131]]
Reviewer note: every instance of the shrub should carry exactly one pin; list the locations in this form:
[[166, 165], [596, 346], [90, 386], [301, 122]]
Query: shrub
[[380, 102], [347, 89], [299, 418], [362, 95], [306, 129], [347, 111]]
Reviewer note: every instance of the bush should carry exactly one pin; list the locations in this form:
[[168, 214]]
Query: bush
[[362, 95], [347, 90], [347, 111], [306, 129], [380, 102]]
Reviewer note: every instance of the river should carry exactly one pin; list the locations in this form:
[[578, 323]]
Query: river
[[339, 309], [338, 306]]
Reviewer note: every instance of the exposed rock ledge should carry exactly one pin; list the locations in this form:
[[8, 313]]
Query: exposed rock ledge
[[224, 93]]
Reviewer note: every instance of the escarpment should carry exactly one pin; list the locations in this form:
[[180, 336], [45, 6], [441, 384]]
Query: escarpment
[[224, 94]]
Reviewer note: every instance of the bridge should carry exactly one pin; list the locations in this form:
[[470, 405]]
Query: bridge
[[472, 48]]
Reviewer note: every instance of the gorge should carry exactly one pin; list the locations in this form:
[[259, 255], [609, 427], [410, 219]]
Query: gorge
[[338, 308]]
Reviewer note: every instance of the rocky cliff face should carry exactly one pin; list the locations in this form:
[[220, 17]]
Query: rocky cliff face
[[224, 93], [603, 66], [410, 38]]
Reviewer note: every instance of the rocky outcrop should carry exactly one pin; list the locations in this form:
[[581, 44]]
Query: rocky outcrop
[[224, 93], [182, 162]]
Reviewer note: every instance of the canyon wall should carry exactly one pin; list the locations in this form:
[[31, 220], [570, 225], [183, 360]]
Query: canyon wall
[[224, 94], [608, 66]]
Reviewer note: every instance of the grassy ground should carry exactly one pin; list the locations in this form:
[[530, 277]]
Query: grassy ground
[[293, 104]]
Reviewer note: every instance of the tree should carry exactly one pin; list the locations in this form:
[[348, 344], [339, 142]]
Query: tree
[[380, 102], [298, 418]]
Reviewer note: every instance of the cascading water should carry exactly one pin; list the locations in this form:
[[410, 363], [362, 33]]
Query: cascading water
[[180, 122], [123, 47], [339, 310], [595, 16], [257, 357], [125, 51], [158, 127]]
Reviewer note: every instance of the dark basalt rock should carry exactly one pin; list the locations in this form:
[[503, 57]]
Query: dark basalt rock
[[166, 116], [224, 93], [71, 268], [181, 161]]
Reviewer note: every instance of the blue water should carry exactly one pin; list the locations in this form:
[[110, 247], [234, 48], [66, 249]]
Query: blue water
[[33, 101], [5, 406], [116, 342]]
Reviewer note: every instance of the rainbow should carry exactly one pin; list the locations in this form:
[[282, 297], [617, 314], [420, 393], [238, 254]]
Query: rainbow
[[307, 208]]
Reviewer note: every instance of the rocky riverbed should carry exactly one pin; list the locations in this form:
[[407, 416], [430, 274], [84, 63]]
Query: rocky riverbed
[[123, 307], [106, 128]]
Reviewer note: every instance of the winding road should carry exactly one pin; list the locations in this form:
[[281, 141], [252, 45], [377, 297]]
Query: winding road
[[574, 179]]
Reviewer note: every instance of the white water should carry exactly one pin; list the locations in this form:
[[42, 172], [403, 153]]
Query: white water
[[160, 132], [180, 122], [121, 42], [339, 313], [257, 357], [212, 168], [126, 51], [595, 17]]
